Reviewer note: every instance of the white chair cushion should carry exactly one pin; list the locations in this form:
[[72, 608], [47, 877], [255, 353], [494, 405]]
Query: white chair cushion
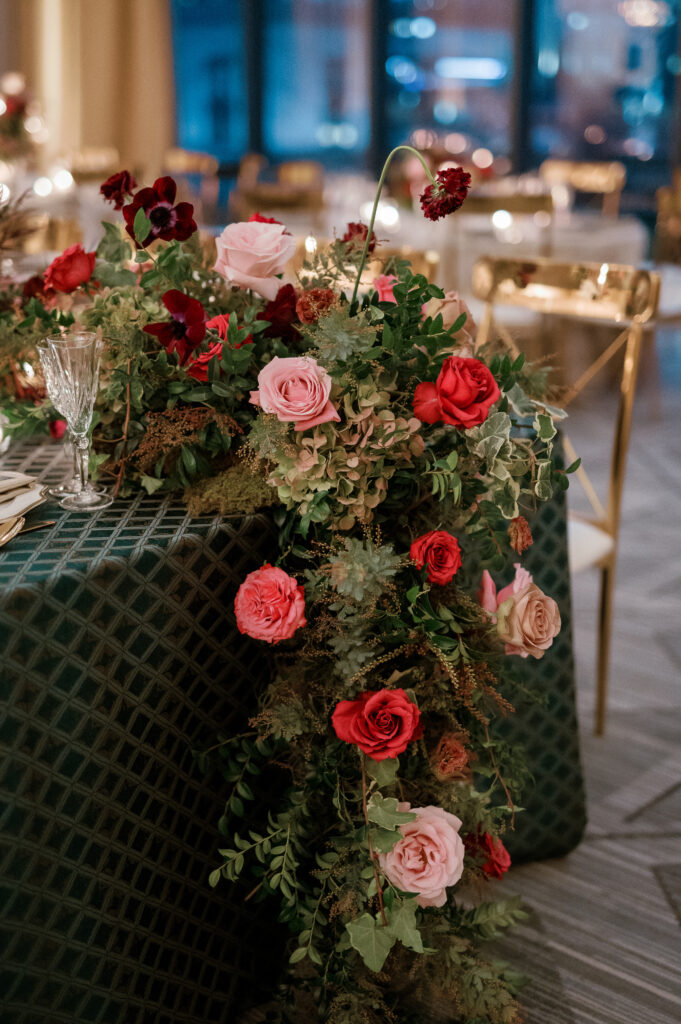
[[587, 544]]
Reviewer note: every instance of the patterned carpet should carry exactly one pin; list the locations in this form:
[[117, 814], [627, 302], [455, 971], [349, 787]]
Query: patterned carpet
[[604, 941]]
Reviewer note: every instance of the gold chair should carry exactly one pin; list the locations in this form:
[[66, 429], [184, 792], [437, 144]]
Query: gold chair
[[426, 262], [197, 175], [299, 186], [621, 296], [606, 179], [94, 164]]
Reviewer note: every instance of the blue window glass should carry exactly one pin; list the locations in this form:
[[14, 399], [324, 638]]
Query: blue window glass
[[316, 90], [210, 77]]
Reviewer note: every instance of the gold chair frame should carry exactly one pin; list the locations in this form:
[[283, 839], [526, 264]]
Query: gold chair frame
[[598, 293], [602, 178], [183, 164]]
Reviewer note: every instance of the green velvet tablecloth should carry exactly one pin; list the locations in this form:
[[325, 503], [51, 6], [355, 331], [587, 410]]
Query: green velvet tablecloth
[[119, 654]]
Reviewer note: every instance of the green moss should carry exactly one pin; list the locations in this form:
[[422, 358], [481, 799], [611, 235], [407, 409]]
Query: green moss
[[235, 491]]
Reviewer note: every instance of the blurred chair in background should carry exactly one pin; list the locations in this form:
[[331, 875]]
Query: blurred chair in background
[[299, 185], [197, 177], [626, 298], [94, 164], [606, 179]]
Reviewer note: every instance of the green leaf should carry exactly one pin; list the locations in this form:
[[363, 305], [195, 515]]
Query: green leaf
[[383, 840], [543, 424], [574, 466], [297, 955], [384, 772], [403, 924], [383, 811], [198, 395], [372, 941], [214, 877], [141, 226], [150, 483], [189, 459]]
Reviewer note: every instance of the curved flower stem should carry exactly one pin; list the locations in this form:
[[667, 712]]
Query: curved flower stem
[[381, 180], [379, 891]]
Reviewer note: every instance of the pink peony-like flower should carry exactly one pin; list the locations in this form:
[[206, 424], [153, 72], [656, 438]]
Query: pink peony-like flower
[[297, 391], [384, 285], [252, 253], [439, 551], [429, 856], [526, 619], [381, 724], [270, 605]]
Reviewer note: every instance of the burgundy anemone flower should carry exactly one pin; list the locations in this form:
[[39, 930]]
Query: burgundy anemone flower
[[187, 328], [282, 315], [167, 220], [355, 236], [447, 194], [117, 187]]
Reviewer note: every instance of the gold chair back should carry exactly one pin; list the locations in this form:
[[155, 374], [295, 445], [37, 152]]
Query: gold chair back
[[51, 234], [94, 164], [606, 179], [197, 177], [426, 262], [622, 296], [667, 242]]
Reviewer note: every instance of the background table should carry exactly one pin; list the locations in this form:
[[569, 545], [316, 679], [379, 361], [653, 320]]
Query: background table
[[119, 655]]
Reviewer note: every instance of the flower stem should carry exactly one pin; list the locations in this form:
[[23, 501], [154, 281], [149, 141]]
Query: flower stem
[[379, 891], [381, 180]]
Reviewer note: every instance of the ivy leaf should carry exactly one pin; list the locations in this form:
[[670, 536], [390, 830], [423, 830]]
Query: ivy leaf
[[544, 426], [150, 483], [384, 772], [403, 925], [141, 226], [383, 811], [372, 941]]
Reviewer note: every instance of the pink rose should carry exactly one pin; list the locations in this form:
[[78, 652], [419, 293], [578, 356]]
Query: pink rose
[[527, 620], [384, 286], [450, 309], [297, 391], [270, 605], [252, 253], [428, 858]]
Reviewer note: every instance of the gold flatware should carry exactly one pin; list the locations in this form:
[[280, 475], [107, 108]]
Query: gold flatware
[[37, 526], [10, 528]]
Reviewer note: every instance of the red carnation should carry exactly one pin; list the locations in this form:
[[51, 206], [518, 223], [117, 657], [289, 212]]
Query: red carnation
[[187, 328], [282, 315], [220, 324], [355, 236], [168, 222], [314, 303], [439, 551], [117, 187], [447, 194], [70, 270], [382, 724], [462, 395], [259, 219], [497, 858], [197, 367]]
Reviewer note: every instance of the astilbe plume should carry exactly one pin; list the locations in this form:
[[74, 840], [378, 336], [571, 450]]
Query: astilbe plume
[[173, 428]]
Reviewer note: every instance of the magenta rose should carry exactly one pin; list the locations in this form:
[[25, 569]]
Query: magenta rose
[[384, 285], [297, 391], [462, 395], [70, 270], [527, 620], [252, 253], [439, 551], [429, 856], [270, 605], [381, 724]]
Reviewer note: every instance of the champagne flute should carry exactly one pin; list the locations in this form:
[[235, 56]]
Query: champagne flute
[[71, 376]]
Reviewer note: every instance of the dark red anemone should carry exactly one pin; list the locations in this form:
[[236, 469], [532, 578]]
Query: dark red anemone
[[187, 328], [168, 221], [117, 187]]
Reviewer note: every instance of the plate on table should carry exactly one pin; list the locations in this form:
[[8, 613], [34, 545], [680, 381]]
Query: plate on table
[[23, 494]]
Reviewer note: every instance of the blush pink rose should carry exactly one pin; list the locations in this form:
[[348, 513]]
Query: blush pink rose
[[252, 253], [526, 619], [270, 605], [297, 391], [450, 309], [428, 857], [384, 284]]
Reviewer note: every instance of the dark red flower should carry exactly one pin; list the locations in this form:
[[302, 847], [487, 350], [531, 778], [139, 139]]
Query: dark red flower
[[439, 551], [167, 220], [381, 724], [355, 236], [117, 187], [282, 315], [497, 858], [220, 324], [447, 195], [197, 367], [258, 217], [34, 288], [187, 328], [57, 429], [314, 303]]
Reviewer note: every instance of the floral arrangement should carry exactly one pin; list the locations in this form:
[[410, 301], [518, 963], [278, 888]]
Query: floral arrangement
[[398, 459]]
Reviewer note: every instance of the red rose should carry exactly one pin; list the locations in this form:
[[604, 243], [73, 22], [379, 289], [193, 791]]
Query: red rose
[[70, 270], [314, 303], [197, 367], [440, 552], [498, 859], [220, 324], [117, 187], [259, 219], [355, 237], [282, 316], [382, 724], [447, 194], [187, 328], [270, 605], [461, 396], [167, 221], [57, 429]]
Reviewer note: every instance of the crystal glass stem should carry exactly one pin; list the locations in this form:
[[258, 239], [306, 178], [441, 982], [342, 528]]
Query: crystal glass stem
[[81, 451]]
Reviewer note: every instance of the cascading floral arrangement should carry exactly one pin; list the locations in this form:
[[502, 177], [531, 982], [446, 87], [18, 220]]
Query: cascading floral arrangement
[[397, 459]]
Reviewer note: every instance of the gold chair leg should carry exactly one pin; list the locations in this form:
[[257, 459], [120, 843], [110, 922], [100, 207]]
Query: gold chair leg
[[604, 634]]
